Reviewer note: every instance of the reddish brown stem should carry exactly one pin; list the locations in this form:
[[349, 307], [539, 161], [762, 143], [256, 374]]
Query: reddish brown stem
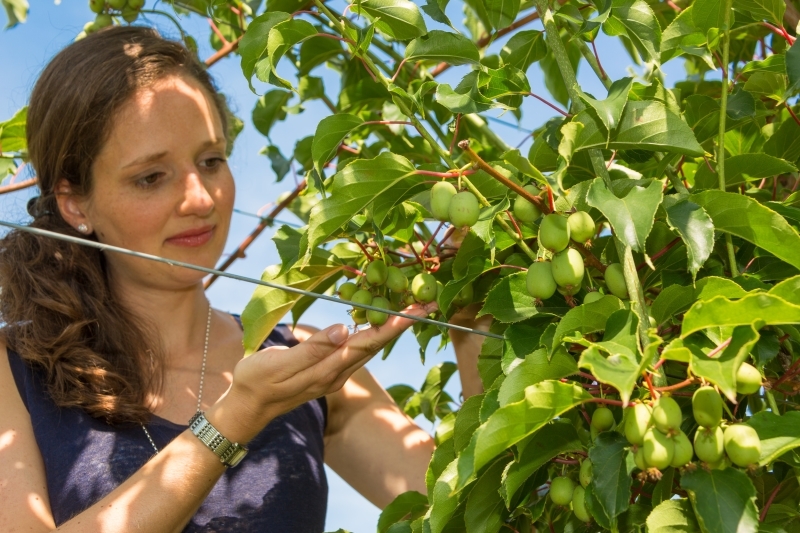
[[446, 236], [768, 504], [653, 393], [445, 175], [589, 258], [550, 200], [660, 253], [399, 67], [367, 254], [599, 64], [226, 50], [566, 461], [433, 236], [779, 31], [677, 386], [514, 223], [216, 31], [549, 104], [791, 112], [724, 344], [18, 186], [353, 270]]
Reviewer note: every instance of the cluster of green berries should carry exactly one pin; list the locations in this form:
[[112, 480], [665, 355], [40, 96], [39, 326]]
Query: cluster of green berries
[[565, 492], [656, 435], [127, 9], [461, 209]]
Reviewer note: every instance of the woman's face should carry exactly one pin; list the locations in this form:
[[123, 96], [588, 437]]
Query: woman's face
[[161, 184]]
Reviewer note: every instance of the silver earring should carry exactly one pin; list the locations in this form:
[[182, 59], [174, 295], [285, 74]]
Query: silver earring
[[83, 228]]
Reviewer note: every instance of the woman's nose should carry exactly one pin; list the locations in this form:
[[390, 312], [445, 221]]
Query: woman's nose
[[196, 198]]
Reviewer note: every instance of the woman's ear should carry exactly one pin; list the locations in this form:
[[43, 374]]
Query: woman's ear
[[72, 207]]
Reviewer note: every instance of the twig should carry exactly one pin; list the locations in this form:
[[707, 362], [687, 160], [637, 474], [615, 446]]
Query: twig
[[767, 505], [18, 186], [514, 223], [677, 386], [589, 258], [724, 344], [553, 106], [660, 253], [226, 50]]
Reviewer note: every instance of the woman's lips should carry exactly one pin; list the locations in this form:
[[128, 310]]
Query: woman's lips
[[194, 237]]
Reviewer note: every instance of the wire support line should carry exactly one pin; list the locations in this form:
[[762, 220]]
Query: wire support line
[[172, 262], [263, 218]]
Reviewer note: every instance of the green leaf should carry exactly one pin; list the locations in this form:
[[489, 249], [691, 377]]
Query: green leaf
[[778, 433], [785, 143], [741, 104], [552, 440], [331, 131], [282, 37], [680, 30], [611, 479], [741, 169], [407, 506], [445, 498], [768, 85], [510, 301], [502, 12], [523, 49], [663, 489], [644, 126], [465, 103], [485, 511], [437, 45], [746, 218], [788, 289], [12, 132], [381, 183], [757, 308], [17, 11], [587, 318], [253, 46], [514, 422], [467, 421], [502, 82], [476, 267], [769, 10], [675, 299], [637, 21], [398, 19], [536, 367], [673, 516], [695, 228], [310, 88], [314, 52], [793, 67], [723, 500], [631, 216], [708, 14], [436, 10], [269, 109], [610, 110]]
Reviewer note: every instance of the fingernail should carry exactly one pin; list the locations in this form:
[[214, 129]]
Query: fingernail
[[338, 334]]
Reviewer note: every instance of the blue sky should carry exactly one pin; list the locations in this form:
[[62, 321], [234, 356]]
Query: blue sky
[[28, 47]]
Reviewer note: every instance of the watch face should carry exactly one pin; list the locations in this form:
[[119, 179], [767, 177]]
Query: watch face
[[238, 455]]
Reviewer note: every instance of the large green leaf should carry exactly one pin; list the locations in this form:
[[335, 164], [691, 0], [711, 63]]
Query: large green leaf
[[331, 131], [769, 10], [680, 30], [778, 434], [788, 289], [758, 308], [586, 318], [510, 301], [314, 52], [536, 367], [636, 21], [445, 498], [631, 216], [513, 422], [502, 13], [467, 421], [609, 111], [723, 500], [673, 516], [269, 109], [793, 67], [438, 45], [746, 218], [644, 125], [523, 49], [785, 143], [407, 506], [17, 11], [485, 511], [12, 132], [676, 298], [707, 14], [282, 37], [399, 19], [611, 479], [253, 46], [695, 228], [741, 168]]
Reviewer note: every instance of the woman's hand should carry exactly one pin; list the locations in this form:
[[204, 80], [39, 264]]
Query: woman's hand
[[277, 379], [468, 347]]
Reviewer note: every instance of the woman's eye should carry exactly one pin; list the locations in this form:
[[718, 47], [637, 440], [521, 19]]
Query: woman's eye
[[213, 162], [149, 180]]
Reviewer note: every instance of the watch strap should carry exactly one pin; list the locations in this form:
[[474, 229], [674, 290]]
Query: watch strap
[[229, 453]]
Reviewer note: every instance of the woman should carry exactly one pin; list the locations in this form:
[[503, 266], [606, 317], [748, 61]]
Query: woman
[[109, 356]]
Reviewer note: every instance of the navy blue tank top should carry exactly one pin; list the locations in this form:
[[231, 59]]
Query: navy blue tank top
[[279, 486]]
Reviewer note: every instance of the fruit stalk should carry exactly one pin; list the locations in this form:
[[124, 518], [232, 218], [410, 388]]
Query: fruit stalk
[[723, 108]]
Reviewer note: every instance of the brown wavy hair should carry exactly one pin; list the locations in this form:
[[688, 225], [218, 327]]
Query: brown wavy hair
[[59, 312]]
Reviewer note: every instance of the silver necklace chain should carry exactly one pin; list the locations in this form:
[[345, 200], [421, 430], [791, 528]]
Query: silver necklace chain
[[202, 376]]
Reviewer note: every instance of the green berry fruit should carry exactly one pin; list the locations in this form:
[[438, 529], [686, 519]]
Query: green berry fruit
[[117, 4], [464, 209], [683, 450], [539, 281], [554, 233], [638, 420], [602, 419], [638, 458], [581, 226], [615, 281], [569, 291], [409, 299], [592, 297], [103, 20], [568, 268], [136, 4], [349, 274], [359, 316], [424, 288], [347, 290], [376, 318], [396, 281], [742, 445], [667, 415], [525, 211], [748, 379], [90, 27], [707, 407], [362, 297], [130, 15], [465, 296], [97, 6], [561, 489], [658, 449], [708, 444], [579, 505], [376, 272], [585, 475], [441, 195]]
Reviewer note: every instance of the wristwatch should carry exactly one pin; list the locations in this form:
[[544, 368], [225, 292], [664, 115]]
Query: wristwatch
[[229, 453]]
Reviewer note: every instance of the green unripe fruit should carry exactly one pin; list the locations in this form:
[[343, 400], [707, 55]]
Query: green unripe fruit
[[130, 15], [667, 415], [409, 299], [359, 316], [464, 209], [97, 6], [579, 505], [683, 450], [581, 226], [90, 27], [638, 459], [722, 464], [602, 419], [349, 274], [658, 449], [376, 272], [708, 444], [554, 232], [424, 288], [707, 407], [117, 4], [561, 489], [742, 445], [585, 475], [637, 421], [525, 211], [568, 268], [103, 20], [540, 281], [464, 297], [376, 318], [571, 291], [347, 290], [748, 379], [615, 281], [441, 195], [362, 297], [136, 4], [396, 281], [592, 297]]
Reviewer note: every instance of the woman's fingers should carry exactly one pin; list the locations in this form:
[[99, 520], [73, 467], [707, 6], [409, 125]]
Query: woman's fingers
[[308, 353]]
